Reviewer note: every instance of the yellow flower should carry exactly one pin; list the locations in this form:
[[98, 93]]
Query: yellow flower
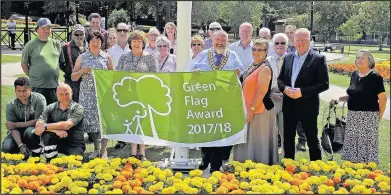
[[55, 180], [93, 191], [117, 191], [178, 175], [244, 185]]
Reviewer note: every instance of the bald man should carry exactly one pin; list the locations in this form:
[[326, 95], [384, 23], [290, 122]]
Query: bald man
[[59, 128], [243, 47], [303, 77]]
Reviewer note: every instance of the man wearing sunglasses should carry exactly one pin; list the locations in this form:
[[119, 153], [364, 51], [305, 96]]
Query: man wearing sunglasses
[[122, 46], [244, 45], [213, 27], [280, 44], [71, 51], [303, 76]]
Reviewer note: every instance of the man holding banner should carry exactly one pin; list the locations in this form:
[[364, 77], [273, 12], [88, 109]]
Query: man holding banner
[[219, 57]]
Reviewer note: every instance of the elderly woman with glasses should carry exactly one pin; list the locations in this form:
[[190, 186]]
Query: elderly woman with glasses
[[366, 104], [166, 61], [137, 60], [197, 45], [261, 140]]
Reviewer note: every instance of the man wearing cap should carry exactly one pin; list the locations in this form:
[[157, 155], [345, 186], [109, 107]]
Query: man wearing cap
[[151, 47], [244, 46], [122, 46], [71, 50], [40, 61], [214, 26], [95, 26], [21, 115]]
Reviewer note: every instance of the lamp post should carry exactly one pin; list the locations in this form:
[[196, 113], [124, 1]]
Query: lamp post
[[26, 29], [77, 11], [106, 13]]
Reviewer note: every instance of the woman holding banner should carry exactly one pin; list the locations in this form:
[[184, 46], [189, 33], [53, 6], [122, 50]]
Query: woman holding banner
[[137, 60], [94, 58], [261, 140], [167, 61]]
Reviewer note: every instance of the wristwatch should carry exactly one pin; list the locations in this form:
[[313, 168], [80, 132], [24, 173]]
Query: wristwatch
[[46, 126], [252, 108]]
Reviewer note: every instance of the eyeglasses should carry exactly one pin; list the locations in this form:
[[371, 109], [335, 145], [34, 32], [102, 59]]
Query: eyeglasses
[[78, 35], [122, 30], [279, 43], [214, 29], [258, 50], [198, 44], [160, 46]]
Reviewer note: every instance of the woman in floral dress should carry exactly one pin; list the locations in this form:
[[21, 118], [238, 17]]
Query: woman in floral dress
[[94, 58]]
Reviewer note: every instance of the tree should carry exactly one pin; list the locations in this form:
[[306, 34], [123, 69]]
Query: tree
[[351, 30], [204, 12], [374, 16], [118, 16], [302, 21], [332, 15], [237, 12]]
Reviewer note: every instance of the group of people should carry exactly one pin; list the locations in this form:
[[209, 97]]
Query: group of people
[[281, 77]]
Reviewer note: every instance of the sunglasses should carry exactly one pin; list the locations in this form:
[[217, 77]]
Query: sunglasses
[[78, 35], [279, 43], [122, 30], [160, 46], [214, 29], [258, 50], [198, 44]]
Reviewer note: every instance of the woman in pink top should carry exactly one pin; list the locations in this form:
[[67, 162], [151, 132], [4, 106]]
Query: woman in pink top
[[261, 145]]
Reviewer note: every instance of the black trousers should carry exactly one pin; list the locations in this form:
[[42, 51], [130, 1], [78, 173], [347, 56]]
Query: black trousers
[[49, 94], [215, 156], [12, 36], [310, 128], [75, 85], [50, 145], [300, 133]]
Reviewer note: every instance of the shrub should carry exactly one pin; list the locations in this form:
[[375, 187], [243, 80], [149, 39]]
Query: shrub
[[118, 16]]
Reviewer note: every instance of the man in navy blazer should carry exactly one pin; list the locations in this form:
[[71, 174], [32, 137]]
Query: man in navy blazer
[[303, 76]]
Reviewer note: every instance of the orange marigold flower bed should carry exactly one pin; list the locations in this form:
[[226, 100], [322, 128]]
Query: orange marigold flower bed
[[347, 69]]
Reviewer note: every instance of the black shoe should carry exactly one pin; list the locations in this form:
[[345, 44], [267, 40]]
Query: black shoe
[[203, 166], [141, 157], [119, 145], [301, 147], [213, 170]]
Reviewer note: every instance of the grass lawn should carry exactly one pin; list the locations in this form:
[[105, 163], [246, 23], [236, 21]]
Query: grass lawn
[[10, 59], [344, 81], [157, 153], [60, 78], [385, 54]]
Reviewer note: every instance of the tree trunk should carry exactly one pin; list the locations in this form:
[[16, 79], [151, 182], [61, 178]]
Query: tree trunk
[[349, 47]]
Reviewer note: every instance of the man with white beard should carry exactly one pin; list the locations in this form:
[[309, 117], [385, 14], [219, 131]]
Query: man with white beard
[[71, 50], [219, 57]]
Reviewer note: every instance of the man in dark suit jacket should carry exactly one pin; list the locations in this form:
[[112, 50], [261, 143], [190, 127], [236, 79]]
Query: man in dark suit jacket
[[303, 76]]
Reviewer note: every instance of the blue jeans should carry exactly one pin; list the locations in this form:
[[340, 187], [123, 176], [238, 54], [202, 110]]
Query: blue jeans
[[9, 145]]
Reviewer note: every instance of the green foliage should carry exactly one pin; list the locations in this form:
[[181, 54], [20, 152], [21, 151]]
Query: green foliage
[[118, 16], [350, 30], [374, 17], [332, 15]]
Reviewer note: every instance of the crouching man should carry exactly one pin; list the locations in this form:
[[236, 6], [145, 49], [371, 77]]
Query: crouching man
[[21, 115], [59, 128]]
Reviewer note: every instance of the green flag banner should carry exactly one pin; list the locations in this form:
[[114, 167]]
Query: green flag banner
[[190, 109]]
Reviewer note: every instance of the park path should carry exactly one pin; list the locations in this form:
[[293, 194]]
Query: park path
[[11, 69]]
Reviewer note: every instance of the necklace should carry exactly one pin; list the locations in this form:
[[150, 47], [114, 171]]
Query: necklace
[[212, 62]]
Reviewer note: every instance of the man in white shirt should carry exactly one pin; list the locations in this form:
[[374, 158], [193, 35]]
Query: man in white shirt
[[122, 45], [152, 36], [213, 27], [11, 26], [243, 47], [280, 45], [264, 33]]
